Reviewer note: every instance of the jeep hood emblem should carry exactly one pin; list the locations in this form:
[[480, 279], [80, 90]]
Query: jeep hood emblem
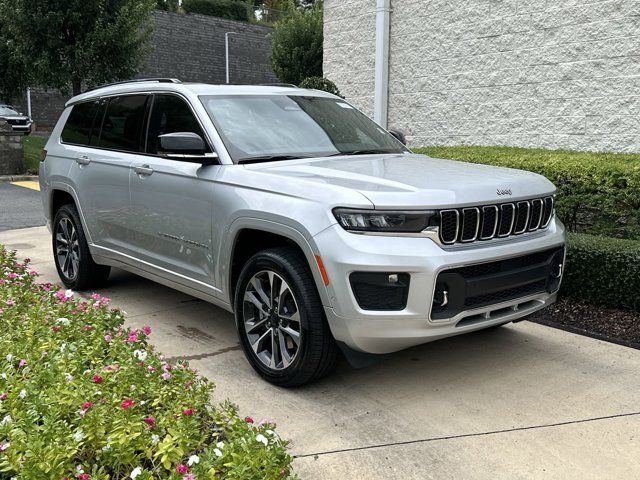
[[504, 191]]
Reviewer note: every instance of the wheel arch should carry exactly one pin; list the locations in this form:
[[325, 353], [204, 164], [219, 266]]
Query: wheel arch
[[61, 194], [241, 244]]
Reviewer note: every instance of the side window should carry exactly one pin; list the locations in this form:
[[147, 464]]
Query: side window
[[97, 121], [122, 124], [169, 114], [77, 130]]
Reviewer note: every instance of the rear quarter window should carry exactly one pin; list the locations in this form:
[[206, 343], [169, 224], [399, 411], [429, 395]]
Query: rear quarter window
[[77, 130], [122, 124]]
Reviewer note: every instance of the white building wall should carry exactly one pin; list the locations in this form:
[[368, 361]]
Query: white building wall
[[533, 73]]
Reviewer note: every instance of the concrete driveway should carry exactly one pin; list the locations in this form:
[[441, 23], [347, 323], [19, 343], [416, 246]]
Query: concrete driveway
[[523, 401]]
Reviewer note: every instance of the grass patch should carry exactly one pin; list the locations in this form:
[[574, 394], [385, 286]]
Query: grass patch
[[83, 397], [33, 146]]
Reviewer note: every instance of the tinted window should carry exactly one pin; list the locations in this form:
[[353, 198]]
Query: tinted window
[[122, 123], [169, 114], [97, 121], [77, 130]]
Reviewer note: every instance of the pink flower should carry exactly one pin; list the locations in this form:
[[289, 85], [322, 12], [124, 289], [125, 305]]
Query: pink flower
[[33, 273], [266, 421], [189, 476], [133, 336], [9, 302], [86, 405], [248, 419], [22, 363], [149, 421], [151, 369], [12, 275], [4, 446], [107, 338], [55, 328], [166, 376], [1, 281], [182, 468], [96, 296], [187, 412], [187, 384], [166, 367], [83, 476], [128, 403], [3, 396], [86, 328], [96, 379], [147, 330]]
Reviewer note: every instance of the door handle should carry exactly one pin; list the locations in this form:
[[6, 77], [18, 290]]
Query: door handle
[[83, 160], [143, 170]]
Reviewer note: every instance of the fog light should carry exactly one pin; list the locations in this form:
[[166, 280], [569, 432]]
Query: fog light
[[380, 291]]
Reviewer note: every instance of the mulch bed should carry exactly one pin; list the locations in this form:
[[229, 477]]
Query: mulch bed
[[609, 324]]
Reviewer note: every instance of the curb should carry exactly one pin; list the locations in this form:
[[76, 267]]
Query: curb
[[18, 178]]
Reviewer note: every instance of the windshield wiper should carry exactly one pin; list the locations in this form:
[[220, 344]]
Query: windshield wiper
[[269, 158], [362, 152]]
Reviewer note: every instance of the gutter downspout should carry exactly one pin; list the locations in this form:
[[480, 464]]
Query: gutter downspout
[[381, 88]]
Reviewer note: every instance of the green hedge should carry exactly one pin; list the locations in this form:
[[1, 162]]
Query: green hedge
[[231, 9], [598, 193], [604, 271]]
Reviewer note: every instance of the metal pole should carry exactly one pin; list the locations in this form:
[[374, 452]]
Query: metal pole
[[226, 52], [29, 102]]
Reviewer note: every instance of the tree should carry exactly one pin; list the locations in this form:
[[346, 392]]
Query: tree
[[320, 83], [14, 77], [76, 42], [296, 46]]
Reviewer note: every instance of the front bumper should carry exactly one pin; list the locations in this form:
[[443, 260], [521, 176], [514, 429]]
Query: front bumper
[[387, 331]]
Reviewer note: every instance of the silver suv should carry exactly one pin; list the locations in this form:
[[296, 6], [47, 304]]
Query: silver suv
[[320, 230]]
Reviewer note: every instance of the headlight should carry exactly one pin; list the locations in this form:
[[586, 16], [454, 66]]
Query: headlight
[[383, 221]]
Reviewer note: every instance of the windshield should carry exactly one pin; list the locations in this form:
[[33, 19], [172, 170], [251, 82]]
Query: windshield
[[278, 127], [5, 110]]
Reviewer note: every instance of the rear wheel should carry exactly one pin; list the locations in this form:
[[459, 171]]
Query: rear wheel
[[74, 263], [280, 319]]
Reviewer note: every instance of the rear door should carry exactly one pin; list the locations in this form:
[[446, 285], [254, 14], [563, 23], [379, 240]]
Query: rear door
[[103, 156], [171, 200]]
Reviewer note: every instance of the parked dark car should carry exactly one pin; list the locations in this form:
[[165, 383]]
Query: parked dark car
[[19, 123]]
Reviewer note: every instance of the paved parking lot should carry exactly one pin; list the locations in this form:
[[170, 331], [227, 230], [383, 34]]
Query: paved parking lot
[[523, 401]]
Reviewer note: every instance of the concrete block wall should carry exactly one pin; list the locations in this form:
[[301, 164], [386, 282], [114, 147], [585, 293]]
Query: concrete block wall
[[533, 73], [188, 47]]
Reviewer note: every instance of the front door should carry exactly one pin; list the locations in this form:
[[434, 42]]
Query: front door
[[171, 201]]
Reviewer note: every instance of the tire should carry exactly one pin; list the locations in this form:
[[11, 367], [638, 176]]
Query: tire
[[299, 310], [77, 271]]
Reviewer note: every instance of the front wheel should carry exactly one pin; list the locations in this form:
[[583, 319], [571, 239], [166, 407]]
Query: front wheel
[[74, 263], [280, 319]]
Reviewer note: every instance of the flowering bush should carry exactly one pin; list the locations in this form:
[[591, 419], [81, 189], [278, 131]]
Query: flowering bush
[[82, 397]]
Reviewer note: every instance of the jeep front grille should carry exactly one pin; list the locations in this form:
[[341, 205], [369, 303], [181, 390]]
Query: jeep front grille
[[503, 220]]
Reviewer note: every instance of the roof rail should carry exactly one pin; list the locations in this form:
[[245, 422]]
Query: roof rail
[[137, 80], [291, 85]]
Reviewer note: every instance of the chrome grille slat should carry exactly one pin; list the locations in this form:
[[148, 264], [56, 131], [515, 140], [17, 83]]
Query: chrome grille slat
[[486, 222]]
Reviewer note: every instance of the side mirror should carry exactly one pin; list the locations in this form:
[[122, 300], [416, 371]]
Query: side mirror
[[185, 146], [399, 136]]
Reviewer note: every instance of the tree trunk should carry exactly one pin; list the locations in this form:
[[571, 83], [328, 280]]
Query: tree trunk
[[76, 85]]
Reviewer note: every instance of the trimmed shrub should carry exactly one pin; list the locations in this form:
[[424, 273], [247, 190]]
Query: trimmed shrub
[[603, 271], [82, 397], [598, 193], [167, 5], [320, 83], [230, 9]]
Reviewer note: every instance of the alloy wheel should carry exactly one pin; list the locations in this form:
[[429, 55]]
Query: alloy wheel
[[67, 248], [271, 320]]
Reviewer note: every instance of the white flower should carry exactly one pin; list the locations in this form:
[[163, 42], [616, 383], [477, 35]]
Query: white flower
[[220, 444], [68, 377], [143, 402], [154, 439], [9, 357], [78, 435], [63, 347], [6, 420], [217, 452], [193, 459], [23, 393], [3, 375], [140, 355], [68, 293], [63, 321], [106, 448], [135, 472], [270, 432], [261, 438]]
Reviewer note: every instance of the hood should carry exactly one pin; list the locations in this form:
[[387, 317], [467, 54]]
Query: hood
[[415, 181]]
